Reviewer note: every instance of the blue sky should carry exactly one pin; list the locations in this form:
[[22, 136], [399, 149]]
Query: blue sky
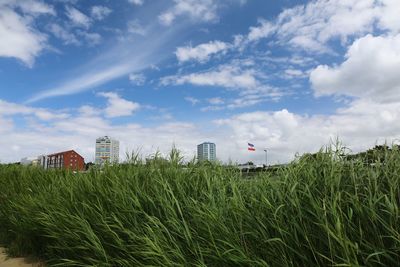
[[289, 76]]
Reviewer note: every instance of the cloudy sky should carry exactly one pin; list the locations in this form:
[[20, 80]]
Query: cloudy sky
[[289, 76]]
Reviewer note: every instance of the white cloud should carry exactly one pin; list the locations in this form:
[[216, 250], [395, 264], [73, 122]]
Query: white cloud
[[388, 14], [6, 125], [264, 30], [216, 101], [225, 76], [246, 98], [308, 28], [212, 108], [249, 100], [100, 12], [9, 109], [91, 38], [215, 104], [77, 17], [312, 26], [137, 78], [294, 73], [19, 38], [166, 18], [369, 71], [61, 33], [245, 81], [117, 106], [87, 110], [198, 10], [31, 7], [284, 133], [78, 37], [136, 2], [201, 52], [134, 26], [192, 100]]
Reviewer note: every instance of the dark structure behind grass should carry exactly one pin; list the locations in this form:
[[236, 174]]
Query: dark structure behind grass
[[319, 211]]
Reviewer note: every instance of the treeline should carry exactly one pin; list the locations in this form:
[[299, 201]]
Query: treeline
[[377, 154]]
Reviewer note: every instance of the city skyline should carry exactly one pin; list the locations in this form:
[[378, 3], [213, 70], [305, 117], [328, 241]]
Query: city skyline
[[290, 76]]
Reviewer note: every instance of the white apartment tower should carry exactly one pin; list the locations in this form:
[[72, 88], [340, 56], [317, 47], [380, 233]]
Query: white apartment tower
[[206, 151], [107, 150]]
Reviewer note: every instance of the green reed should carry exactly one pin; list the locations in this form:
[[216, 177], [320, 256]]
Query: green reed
[[318, 211]]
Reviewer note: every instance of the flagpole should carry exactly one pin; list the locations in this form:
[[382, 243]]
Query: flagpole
[[266, 158]]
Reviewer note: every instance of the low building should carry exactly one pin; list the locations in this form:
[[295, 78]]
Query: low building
[[30, 161], [64, 160], [43, 161]]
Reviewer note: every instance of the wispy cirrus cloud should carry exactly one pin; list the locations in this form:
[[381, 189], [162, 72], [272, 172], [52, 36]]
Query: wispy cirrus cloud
[[125, 57], [83, 82]]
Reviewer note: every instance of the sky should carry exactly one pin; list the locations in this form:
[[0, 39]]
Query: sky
[[288, 76]]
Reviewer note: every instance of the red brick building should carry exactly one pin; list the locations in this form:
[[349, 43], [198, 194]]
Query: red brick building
[[67, 160]]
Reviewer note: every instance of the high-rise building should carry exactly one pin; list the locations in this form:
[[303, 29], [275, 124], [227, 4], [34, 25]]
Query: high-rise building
[[206, 151], [107, 150]]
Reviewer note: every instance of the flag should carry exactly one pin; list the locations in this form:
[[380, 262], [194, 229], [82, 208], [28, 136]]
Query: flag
[[251, 147]]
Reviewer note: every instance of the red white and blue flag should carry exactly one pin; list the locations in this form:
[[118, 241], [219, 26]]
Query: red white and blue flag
[[251, 147]]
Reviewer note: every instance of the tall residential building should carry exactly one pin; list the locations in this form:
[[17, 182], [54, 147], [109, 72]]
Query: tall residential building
[[206, 151], [107, 150]]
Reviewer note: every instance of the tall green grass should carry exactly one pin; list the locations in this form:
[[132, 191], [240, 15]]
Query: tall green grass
[[319, 211]]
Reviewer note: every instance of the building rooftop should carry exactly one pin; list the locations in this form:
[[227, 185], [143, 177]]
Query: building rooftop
[[63, 152]]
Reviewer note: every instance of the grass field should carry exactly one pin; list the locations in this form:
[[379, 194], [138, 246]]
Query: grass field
[[319, 211]]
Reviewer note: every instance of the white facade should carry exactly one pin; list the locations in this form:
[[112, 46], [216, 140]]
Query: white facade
[[207, 151], [29, 161], [107, 150], [35, 161], [43, 161]]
